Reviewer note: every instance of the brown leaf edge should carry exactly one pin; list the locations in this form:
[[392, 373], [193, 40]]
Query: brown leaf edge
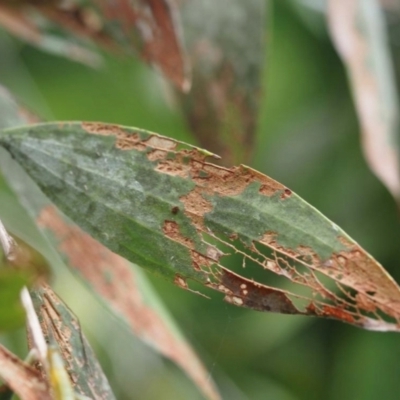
[[23, 379]]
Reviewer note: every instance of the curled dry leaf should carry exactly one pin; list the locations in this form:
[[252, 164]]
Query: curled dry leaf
[[25, 381], [358, 31], [226, 44], [160, 204], [150, 27]]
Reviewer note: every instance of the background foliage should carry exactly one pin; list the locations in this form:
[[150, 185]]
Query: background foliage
[[308, 139]]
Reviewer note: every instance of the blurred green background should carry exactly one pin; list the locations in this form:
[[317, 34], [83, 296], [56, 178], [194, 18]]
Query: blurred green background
[[308, 139]]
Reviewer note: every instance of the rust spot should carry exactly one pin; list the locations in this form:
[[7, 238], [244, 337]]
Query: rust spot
[[171, 229], [233, 236], [155, 155], [179, 281], [124, 139], [174, 168], [286, 193], [201, 262], [196, 206]]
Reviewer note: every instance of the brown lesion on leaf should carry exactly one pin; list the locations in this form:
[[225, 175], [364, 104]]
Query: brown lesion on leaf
[[93, 261], [171, 230], [196, 206], [124, 139], [328, 311], [286, 194], [250, 294], [181, 282], [199, 260], [170, 167], [160, 142]]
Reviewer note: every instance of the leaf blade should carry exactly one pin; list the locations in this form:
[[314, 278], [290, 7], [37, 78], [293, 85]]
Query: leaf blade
[[27, 383], [358, 32], [226, 45], [160, 203]]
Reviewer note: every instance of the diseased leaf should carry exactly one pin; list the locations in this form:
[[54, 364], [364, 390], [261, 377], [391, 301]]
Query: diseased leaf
[[358, 32], [26, 382], [148, 27], [226, 45], [62, 328], [19, 23], [160, 204], [119, 284]]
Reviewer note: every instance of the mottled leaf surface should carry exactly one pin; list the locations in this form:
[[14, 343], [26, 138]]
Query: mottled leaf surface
[[119, 284], [25, 381], [226, 44], [147, 27], [160, 204], [359, 34], [62, 328]]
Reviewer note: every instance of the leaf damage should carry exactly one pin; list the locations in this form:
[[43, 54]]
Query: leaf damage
[[151, 28], [113, 279], [181, 216], [21, 378]]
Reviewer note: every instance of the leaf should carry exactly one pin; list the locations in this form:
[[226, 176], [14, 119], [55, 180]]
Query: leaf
[[122, 288], [131, 298], [226, 45], [19, 24], [160, 204], [22, 267], [358, 32], [148, 26], [27, 383], [62, 328], [12, 314]]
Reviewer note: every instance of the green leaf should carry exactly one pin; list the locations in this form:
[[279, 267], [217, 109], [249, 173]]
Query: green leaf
[[160, 204], [12, 314], [226, 44]]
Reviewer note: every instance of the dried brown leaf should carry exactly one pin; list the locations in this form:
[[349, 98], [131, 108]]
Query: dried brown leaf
[[24, 380], [358, 31]]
